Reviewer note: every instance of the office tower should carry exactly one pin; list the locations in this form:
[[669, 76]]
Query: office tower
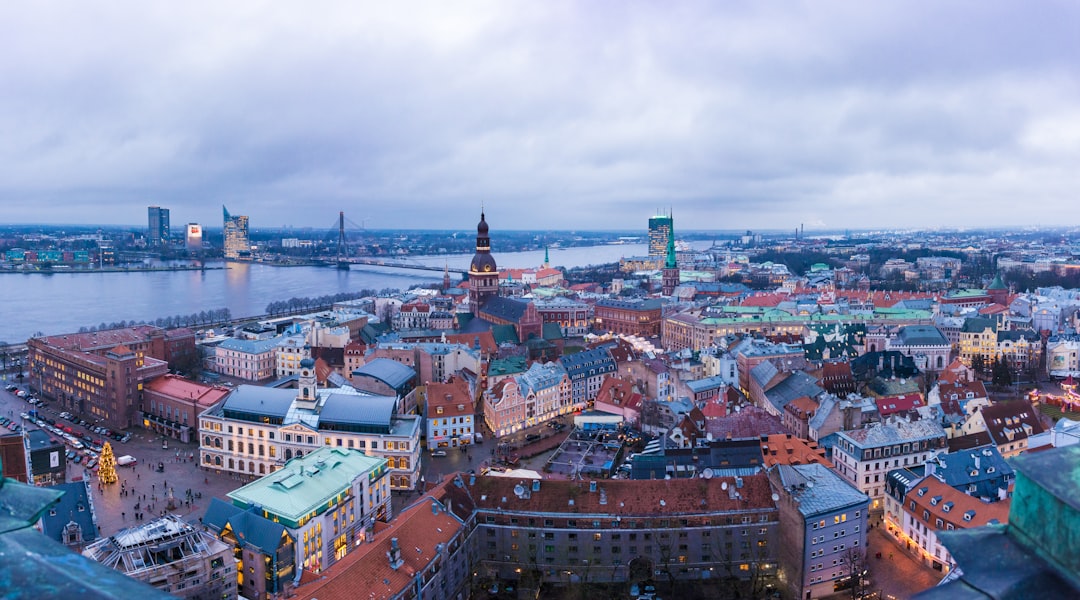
[[236, 235], [659, 231], [157, 226], [193, 240]]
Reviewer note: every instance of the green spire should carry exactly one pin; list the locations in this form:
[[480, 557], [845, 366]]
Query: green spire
[[669, 262], [547, 260], [997, 283]]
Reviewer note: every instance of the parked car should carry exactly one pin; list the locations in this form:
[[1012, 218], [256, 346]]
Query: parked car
[[532, 437], [438, 453]]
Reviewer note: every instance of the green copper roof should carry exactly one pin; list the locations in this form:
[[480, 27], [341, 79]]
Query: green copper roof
[[997, 284], [305, 485]]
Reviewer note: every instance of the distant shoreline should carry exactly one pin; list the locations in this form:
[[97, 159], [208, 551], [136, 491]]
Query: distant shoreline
[[105, 270]]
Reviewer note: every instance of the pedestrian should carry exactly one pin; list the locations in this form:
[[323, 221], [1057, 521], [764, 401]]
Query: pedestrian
[[123, 515], [138, 476]]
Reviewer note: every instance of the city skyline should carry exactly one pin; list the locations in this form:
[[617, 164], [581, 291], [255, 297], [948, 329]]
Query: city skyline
[[558, 116]]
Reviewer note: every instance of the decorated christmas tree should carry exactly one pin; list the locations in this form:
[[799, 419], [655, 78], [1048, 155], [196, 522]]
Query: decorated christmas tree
[[107, 465]]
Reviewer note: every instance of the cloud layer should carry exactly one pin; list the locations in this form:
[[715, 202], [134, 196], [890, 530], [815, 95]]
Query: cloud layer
[[562, 115]]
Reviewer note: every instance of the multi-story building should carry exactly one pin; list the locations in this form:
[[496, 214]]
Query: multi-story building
[[422, 553], [574, 317], [450, 412], [265, 551], [865, 456], [48, 459], [660, 231], [620, 530], [1009, 424], [932, 507], [533, 397], [157, 230], [171, 555], [101, 374], [171, 405], [1063, 356], [193, 237], [822, 533], [640, 317], [250, 360], [978, 337], [587, 371], [290, 351], [237, 244], [925, 343], [71, 521], [256, 430], [413, 315], [328, 501], [1020, 348]]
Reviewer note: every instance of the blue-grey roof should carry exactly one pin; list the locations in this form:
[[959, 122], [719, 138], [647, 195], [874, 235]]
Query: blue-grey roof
[[577, 365], [507, 309], [390, 372], [358, 409], [921, 335], [249, 528], [983, 467], [74, 505], [826, 404], [709, 383], [250, 346], [256, 400], [818, 490], [797, 385], [763, 372], [540, 377]]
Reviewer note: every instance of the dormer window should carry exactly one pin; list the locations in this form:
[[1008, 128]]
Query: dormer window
[[947, 506], [934, 501], [922, 491], [969, 515]]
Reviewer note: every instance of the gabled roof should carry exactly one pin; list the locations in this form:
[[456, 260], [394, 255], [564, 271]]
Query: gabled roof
[[248, 527], [1011, 421], [795, 385], [75, 506], [891, 405]]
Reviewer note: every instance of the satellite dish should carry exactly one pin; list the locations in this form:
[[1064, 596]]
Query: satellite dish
[[810, 484], [519, 490], [775, 497], [723, 486], [707, 474]]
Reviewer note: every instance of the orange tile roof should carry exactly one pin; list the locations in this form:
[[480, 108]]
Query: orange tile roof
[[983, 512], [784, 449], [449, 396], [366, 572]]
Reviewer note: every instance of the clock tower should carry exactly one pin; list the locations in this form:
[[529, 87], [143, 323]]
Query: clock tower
[[483, 274]]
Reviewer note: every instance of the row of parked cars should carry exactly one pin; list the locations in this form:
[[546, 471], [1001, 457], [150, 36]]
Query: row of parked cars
[[108, 433]]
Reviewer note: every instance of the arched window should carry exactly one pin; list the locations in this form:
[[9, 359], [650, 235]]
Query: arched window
[[262, 469], [288, 454], [217, 442], [251, 466], [231, 464], [206, 441], [940, 362], [217, 460], [206, 458]]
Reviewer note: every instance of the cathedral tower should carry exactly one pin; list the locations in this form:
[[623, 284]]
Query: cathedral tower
[[483, 273]]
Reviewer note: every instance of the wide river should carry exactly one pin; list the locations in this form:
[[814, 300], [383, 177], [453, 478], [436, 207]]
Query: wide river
[[64, 302]]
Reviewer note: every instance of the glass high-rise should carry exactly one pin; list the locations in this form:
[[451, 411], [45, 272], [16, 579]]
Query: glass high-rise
[[660, 230], [236, 235], [157, 230]]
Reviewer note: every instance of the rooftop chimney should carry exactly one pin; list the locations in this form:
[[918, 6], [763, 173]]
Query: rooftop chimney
[[395, 555]]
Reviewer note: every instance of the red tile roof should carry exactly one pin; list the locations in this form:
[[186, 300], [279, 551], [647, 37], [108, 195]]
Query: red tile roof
[[619, 392], [891, 405], [175, 386], [366, 573], [622, 497], [958, 504]]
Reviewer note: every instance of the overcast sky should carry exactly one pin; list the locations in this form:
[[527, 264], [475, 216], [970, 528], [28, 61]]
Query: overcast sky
[[555, 115]]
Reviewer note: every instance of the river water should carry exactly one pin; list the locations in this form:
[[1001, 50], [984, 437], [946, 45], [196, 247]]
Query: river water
[[64, 302]]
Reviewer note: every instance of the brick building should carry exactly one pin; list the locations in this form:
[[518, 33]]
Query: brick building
[[630, 317], [171, 405]]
